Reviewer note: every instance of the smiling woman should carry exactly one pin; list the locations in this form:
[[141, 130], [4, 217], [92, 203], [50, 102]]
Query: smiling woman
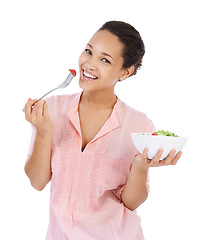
[[82, 143], [102, 61]]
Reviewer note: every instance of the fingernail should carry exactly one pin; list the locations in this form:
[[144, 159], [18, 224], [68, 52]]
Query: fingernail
[[145, 150], [160, 151], [173, 151], [29, 99]]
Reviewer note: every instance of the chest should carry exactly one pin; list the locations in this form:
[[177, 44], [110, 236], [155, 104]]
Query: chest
[[91, 121]]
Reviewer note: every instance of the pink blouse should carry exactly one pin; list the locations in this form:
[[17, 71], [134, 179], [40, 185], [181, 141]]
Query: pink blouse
[[85, 200]]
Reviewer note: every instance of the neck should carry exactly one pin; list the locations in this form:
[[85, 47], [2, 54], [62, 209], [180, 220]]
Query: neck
[[98, 99]]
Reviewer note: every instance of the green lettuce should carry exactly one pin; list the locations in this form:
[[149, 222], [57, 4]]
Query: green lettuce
[[164, 133]]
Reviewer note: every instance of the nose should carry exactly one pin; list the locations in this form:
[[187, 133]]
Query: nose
[[90, 64]]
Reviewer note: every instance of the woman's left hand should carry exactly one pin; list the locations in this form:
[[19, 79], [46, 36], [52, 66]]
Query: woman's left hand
[[142, 162]]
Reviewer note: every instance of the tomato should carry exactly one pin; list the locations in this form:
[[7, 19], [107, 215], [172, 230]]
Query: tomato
[[155, 134], [73, 72]]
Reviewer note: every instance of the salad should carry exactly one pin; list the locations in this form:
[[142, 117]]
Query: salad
[[162, 133]]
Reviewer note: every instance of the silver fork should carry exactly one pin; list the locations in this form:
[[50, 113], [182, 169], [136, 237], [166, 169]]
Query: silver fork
[[62, 85]]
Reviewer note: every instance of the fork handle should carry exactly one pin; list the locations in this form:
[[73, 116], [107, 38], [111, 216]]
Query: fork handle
[[42, 97], [47, 94]]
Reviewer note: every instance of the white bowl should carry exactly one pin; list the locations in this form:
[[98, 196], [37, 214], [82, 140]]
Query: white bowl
[[154, 143]]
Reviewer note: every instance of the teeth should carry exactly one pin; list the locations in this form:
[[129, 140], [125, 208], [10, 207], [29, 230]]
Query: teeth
[[88, 75]]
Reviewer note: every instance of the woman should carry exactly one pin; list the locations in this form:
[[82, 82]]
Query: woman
[[81, 142]]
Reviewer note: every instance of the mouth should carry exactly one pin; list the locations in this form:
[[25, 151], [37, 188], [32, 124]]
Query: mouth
[[88, 76]]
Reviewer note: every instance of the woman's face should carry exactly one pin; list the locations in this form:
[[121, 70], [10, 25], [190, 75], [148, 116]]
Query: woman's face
[[100, 64]]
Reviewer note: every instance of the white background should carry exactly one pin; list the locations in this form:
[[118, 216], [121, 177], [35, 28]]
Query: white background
[[40, 40]]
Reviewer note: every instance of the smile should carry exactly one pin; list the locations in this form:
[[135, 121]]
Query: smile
[[89, 75]]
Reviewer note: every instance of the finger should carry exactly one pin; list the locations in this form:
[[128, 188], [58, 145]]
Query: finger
[[45, 110], [145, 153], [176, 158], [156, 159], [168, 159], [38, 108], [28, 107]]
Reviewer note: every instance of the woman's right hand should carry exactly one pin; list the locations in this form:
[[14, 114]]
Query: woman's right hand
[[36, 112]]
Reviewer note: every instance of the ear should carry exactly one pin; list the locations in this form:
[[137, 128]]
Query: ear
[[127, 72]]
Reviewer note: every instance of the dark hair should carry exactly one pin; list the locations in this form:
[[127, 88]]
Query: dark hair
[[134, 48]]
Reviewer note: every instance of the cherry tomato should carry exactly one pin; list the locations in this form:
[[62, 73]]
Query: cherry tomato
[[73, 72]]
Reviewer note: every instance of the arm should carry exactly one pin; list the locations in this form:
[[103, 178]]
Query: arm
[[38, 166], [135, 191]]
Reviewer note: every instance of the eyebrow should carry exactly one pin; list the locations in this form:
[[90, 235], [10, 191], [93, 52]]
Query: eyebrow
[[104, 53]]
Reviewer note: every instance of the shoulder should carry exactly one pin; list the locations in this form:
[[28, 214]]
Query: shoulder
[[58, 104], [128, 111], [135, 119], [63, 100]]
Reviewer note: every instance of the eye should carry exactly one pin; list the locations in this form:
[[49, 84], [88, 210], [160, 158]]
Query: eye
[[105, 60], [88, 51]]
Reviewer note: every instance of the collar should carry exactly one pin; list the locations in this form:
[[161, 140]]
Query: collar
[[111, 123]]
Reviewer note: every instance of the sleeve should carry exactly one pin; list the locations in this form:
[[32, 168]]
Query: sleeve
[[150, 127], [118, 191]]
